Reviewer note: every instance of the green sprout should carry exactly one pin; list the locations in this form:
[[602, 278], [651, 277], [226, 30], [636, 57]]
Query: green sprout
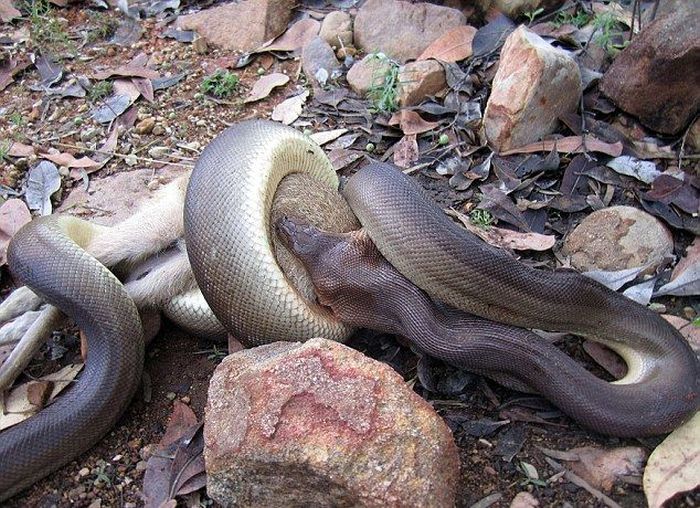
[[221, 84], [481, 218], [385, 84], [100, 90]]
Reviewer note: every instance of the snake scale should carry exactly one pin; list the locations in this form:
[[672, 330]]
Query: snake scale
[[233, 251]]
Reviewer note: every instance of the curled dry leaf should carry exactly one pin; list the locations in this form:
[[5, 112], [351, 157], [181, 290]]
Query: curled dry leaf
[[406, 151], [342, 157], [265, 85], [43, 181], [685, 280], [411, 123], [323, 137], [571, 144], [644, 171], [505, 238], [18, 149], [17, 407], [606, 358], [453, 46], [295, 37], [13, 215], [673, 466], [289, 110], [126, 71], [10, 68], [8, 12], [68, 160]]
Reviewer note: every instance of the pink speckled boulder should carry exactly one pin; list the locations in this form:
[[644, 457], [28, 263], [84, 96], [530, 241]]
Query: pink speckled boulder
[[320, 424]]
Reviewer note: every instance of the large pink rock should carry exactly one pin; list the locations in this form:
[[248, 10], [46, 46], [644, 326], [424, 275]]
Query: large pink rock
[[402, 30], [657, 77], [534, 85], [241, 26], [320, 424]]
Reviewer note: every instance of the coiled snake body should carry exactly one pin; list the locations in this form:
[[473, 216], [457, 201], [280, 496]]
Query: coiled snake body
[[234, 254]]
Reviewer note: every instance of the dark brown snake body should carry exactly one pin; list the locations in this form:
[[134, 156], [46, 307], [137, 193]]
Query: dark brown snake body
[[228, 205]]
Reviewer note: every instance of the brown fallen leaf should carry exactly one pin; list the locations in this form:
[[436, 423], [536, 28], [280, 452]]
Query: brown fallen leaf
[[289, 110], [178, 466], [606, 358], [68, 160], [13, 215], [8, 12], [10, 68], [688, 330], [38, 393], [265, 85], [406, 151], [571, 144], [181, 419], [685, 279], [294, 38], [16, 407], [673, 466], [342, 157], [453, 46], [411, 123], [126, 71], [506, 238], [601, 467], [18, 149]]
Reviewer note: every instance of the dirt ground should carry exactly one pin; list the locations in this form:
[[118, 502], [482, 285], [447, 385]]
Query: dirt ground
[[178, 367]]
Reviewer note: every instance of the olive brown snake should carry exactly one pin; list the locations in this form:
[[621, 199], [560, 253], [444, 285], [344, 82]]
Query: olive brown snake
[[233, 251]]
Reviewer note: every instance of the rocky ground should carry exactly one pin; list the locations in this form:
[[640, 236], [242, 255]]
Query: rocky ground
[[100, 107]]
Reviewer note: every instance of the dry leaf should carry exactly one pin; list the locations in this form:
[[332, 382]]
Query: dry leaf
[[688, 330], [685, 280], [571, 144], [342, 157], [13, 215], [506, 238], [181, 419], [68, 160], [411, 122], [10, 68], [406, 151], [606, 358], [126, 71], [673, 466], [18, 149], [290, 109], [265, 85], [644, 171], [8, 12], [321, 138], [16, 407], [295, 37], [453, 46], [43, 181], [601, 467]]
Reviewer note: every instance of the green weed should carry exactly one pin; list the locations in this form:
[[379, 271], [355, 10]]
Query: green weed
[[46, 31], [481, 218], [17, 119], [221, 84], [579, 19], [607, 33], [531, 15], [100, 90], [385, 84], [102, 27]]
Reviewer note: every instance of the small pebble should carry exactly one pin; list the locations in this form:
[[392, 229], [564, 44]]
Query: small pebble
[[146, 125], [171, 395], [657, 307], [84, 472], [158, 130], [117, 458], [131, 160], [185, 399], [689, 313], [141, 465]]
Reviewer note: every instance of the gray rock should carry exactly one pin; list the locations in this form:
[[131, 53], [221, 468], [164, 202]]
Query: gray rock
[[367, 73], [656, 77], [319, 62], [534, 85], [617, 238], [320, 424], [241, 26], [402, 30], [336, 29]]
